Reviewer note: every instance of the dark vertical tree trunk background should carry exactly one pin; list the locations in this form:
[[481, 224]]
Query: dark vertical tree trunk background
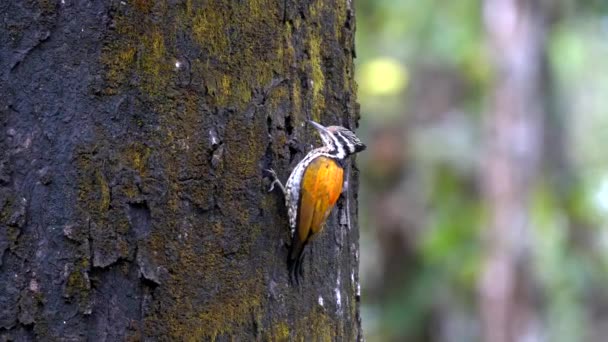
[[133, 138]]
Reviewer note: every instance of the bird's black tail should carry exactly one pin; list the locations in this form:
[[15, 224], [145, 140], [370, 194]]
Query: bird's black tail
[[294, 260]]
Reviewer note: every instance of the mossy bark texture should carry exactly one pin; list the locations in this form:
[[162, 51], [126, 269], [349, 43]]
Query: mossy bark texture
[[133, 139]]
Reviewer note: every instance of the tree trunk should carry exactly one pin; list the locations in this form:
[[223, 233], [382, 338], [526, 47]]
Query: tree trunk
[[514, 142], [134, 135]]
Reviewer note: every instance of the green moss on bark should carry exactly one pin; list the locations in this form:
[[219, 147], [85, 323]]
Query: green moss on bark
[[318, 78]]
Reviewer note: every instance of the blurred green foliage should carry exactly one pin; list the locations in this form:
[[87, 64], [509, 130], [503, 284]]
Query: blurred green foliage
[[400, 46]]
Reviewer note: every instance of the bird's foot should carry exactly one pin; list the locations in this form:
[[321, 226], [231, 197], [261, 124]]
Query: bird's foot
[[275, 181]]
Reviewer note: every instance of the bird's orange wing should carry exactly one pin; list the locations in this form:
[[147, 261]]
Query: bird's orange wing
[[329, 186], [306, 212], [320, 189]]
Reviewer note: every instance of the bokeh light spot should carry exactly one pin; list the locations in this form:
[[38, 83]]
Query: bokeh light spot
[[383, 76]]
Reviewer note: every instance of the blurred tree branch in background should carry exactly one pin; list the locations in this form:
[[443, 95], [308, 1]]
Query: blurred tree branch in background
[[513, 140]]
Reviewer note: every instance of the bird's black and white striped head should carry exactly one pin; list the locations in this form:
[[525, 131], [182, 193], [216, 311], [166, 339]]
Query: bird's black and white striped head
[[339, 141]]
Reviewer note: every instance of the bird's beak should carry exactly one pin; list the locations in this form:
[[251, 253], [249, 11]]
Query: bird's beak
[[320, 127]]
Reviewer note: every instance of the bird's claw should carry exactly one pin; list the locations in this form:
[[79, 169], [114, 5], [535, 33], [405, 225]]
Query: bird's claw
[[272, 173], [272, 185], [275, 180]]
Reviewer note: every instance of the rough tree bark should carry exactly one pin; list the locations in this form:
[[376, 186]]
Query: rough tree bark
[[134, 135], [514, 141]]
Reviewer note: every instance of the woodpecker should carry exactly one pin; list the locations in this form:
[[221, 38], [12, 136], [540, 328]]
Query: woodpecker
[[313, 188]]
